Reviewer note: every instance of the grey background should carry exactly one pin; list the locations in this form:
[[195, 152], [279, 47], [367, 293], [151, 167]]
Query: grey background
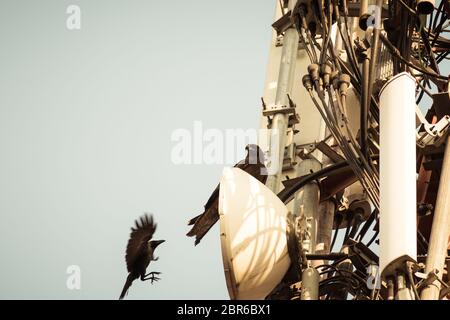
[[86, 118]]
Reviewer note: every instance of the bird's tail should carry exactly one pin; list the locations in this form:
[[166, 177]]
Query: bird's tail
[[203, 223], [127, 285], [194, 220]]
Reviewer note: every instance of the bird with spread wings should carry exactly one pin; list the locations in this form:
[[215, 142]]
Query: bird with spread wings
[[140, 252]]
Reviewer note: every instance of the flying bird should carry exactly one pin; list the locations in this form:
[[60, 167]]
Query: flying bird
[[253, 165], [140, 252]]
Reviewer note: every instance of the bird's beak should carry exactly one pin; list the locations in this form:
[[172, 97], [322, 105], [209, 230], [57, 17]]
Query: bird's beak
[[158, 242]]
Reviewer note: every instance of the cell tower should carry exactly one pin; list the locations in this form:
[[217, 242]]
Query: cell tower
[[357, 201]]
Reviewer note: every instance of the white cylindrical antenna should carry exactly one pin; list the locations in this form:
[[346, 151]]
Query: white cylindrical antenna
[[398, 238]]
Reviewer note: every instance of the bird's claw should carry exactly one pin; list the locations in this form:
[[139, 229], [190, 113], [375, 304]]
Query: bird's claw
[[154, 279], [153, 276]]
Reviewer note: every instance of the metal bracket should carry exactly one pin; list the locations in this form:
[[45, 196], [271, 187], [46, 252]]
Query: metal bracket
[[288, 110], [428, 279], [279, 41], [284, 23], [290, 155], [432, 134], [278, 109]]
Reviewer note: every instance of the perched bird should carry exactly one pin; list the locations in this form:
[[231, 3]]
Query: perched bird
[[253, 165], [140, 252]]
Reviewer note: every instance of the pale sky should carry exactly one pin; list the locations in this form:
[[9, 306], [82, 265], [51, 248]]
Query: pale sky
[[86, 118]]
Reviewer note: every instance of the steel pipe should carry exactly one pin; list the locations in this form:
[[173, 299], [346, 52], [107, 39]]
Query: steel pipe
[[440, 230]]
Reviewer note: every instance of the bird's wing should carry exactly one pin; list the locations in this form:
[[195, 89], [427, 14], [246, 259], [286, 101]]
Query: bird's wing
[[257, 170], [203, 222], [242, 165], [213, 197], [208, 205], [140, 235], [216, 191]]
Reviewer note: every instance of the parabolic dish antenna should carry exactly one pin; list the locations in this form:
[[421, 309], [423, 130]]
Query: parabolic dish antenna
[[252, 234]]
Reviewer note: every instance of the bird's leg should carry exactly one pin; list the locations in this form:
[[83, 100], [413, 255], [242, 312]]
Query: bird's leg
[[152, 273], [151, 276]]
